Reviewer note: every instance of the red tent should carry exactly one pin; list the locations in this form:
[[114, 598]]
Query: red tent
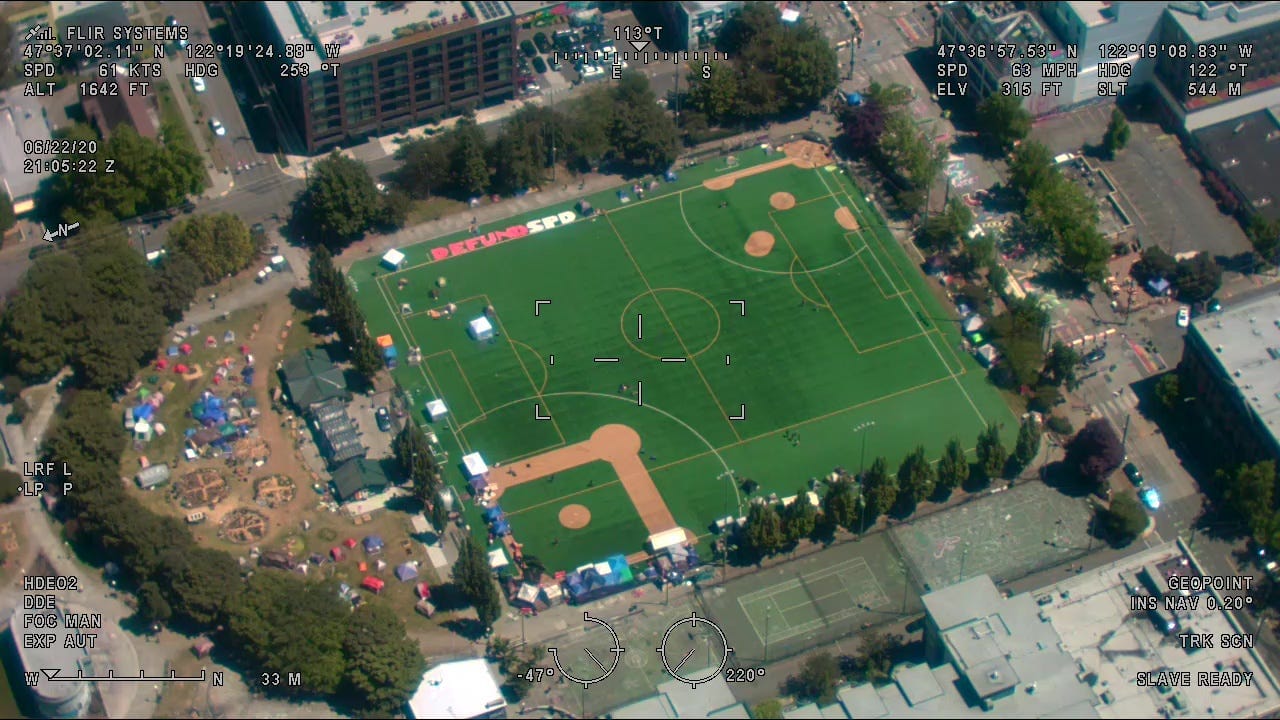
[[181, 369], [185, 349], [372, 583], [350, 542], [337, 554], [161, 364], [424, 590]]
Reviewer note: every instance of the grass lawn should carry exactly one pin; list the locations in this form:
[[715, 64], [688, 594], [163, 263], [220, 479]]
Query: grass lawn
[[760, 364], [533, 509]]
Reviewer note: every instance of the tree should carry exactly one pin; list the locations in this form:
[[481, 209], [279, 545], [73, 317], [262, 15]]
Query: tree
[[1028, 444], [1019, 333], [199, 582], [514, 662], [1095, 452], [643, 136], [1155, 264], [412, 451], [1030, 166], [1264, 234], [1198, 278], [874, 658], [396, 206], [152, 607], [219, 244], [10, 483], [916, 480], [424, 166], [840, 505], [175, 283], [863, 125], [1003, 122], [953, 468], [764, 534], [384, 667], [768, 710], [1084, 251], [365, 356], [1248, 492], [279, 621], [991, 453], [1117, 135], [942, 232], [799, 519], [717, 94], [818, 678], [7, 54], [1125, 519], [468, 168], [7, 218], [880, 489], [341, 202], [1060, 365], [471, 573], [806, 66], [1169, 391]]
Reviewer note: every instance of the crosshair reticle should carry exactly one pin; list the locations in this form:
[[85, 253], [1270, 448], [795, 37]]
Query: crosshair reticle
[[573, 668], [695, 654]]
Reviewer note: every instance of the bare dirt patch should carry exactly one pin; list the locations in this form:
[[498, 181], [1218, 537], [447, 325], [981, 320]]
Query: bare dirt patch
[[201, 488], [575, 517], [846, 219], [782, 201], [724, 182], [243, 525], [759, 243], [274, 490], [618, 445], [804, 154]]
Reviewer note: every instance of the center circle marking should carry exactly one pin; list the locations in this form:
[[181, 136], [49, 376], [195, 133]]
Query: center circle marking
[[627, 323]]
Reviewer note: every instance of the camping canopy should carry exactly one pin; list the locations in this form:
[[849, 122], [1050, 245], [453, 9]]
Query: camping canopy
[[393, 259], [373, 543], [501, 527], [493, 513], [973, 323], [406, 572], [385, 341], [436, 409], [475, 465]]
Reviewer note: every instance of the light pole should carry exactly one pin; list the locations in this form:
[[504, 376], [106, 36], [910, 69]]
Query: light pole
[[862, 463], [767, 612]]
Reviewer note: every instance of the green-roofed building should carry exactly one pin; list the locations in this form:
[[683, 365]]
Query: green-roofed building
[[311, 377], [359, 478]]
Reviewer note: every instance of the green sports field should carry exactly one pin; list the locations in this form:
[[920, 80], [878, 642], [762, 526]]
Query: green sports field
[[835, 330]]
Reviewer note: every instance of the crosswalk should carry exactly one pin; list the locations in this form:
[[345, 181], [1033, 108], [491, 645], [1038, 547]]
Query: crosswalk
[[1072, 332], [1116, 408], [882, 71]]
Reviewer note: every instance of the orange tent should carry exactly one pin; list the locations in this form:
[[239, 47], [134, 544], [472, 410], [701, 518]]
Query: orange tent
[[385, 341]]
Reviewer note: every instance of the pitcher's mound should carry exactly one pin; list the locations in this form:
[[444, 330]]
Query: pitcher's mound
[[759, 244], [846, 219], [575, 517], [782, 200]]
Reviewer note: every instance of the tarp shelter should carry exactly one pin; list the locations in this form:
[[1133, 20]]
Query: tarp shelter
[[589, 583], [372, 583], [853, 99], [393, 259], [665, 539], [406, 572], [144, 412], [527, 594], [480, 328], [478, 484], [385, 341], [1158, 286], [337, 554], [152, 476], [987, 355], [474, 465], [492, 514], [389, 356], [790, 15], [278, 262], [373, 544], [671, 176], [436, 409], [501, 527], [498, 559], [142, 431], [973, 323]]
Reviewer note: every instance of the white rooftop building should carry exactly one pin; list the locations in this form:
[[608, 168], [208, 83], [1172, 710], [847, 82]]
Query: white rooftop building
[[458, 691]]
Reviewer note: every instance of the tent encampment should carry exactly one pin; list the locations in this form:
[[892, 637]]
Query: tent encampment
[[406, 572]]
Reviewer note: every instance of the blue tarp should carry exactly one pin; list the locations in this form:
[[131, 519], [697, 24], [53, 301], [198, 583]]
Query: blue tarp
[[1159, 286], [590, 585], [143, 412], [671, 176], [172, 351], [854, 99], [501, 527], [390, 352], [493, 513], [373, 542]]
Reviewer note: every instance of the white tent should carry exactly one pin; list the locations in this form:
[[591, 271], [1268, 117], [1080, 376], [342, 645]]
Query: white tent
[[393, 259], [480, 328], [475, 465], [987, 355], [973, 323], [665, 539], [436, 409], [498, 559]]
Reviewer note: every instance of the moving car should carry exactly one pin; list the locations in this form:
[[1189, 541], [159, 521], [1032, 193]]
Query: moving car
[[1134, 474], [384, 419], [197, 84], [1151, 498], [217, 127], [1184, 316]]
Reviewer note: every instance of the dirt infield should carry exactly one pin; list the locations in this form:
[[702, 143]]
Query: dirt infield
[[759, 243], [782, 200], [846, 219], [617, 445], [801, 153], [575, 517]]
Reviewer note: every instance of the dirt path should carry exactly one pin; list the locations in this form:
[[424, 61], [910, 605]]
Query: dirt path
[[801, 153], [617, 445]]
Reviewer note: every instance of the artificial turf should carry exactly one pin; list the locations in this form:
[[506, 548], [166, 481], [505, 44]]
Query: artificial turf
[[839, 331]]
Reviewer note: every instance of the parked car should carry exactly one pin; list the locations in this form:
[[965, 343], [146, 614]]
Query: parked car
[[1095, 355], [384, 419], [1134, 474], [197, 84], [1184, 316], [217, 127], [1151, 498]]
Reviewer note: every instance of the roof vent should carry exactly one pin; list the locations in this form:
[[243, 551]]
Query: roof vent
[[1219, 348], [1031, 689], [994, 676]]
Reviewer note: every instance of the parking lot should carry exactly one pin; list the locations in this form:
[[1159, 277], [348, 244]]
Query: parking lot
[[362, 410], [1155, 177]]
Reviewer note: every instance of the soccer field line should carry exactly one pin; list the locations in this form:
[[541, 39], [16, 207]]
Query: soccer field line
[[461, 371], [497, 318], [920, 325], [546, 374], [812, 281], [800, 292], [560, 498], [662, 309], [458, 436]]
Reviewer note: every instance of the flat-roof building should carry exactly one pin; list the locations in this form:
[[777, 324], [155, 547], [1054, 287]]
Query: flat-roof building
[[675, 699], [364, 69], [694, 24], [1244, 153], [64, 697], [1231, 366], [458, 691], [21, 119]]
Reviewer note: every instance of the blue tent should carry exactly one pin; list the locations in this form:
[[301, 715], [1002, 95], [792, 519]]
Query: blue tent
[[854, 99], [493, 513], [671, 176], [144, 412], [390, 353], [501, 527], [406, 572], [372, 543], [1159, 286], [172, 351]]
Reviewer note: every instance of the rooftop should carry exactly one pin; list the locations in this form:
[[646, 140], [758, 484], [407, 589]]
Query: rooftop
[[360, 474], [67, 661], [21, 118], [1002, 22], [365, 25], [1246, 342], [1205, 22], [1109, 645], [1246, 151], [462, 689], [1093, 12], [675, 699], [312, 377]]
